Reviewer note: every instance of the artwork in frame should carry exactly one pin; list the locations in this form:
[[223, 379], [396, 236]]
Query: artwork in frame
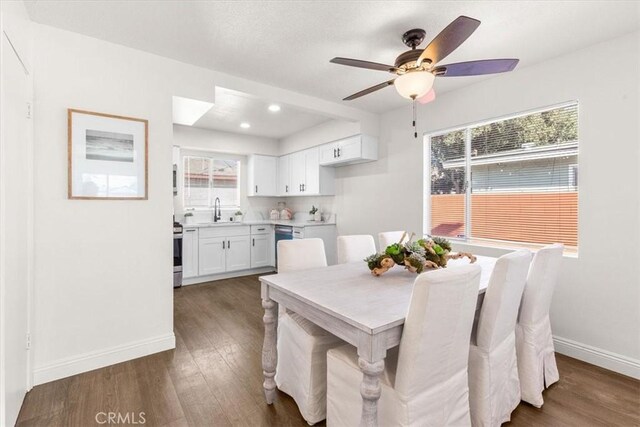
[[107, 156]]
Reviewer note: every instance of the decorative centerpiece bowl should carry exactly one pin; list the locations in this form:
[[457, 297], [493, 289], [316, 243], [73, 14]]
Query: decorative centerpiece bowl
[[415, 256]]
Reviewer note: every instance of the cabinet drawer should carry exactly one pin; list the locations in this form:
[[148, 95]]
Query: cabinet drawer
[[261, 229], [221, 231]]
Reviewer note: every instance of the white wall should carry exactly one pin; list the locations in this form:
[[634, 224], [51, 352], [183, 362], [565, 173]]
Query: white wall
[[103, 276], [322, 133], [596, 308], [16, 206]]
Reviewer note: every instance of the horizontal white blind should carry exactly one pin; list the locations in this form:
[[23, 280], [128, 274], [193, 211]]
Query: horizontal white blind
[[523, 174]]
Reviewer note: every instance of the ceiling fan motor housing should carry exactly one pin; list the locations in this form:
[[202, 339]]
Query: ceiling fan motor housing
[[406, 60]]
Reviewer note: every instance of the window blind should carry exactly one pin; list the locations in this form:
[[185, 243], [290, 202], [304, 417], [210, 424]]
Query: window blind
[[521, 177]]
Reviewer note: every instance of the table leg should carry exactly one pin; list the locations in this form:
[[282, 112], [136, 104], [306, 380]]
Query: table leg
[[370, 391], [269, 348]]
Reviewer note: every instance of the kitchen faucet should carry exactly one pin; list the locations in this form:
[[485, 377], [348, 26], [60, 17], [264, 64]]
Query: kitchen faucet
[[216, 210]]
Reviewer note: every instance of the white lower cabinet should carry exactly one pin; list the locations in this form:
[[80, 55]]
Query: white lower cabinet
[[238, 256], [190, 253], [212, 255], [209, 251], [260, 250]]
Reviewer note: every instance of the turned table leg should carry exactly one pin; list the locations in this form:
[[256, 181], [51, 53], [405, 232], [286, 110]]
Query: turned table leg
[[370, 391], [269, 348]]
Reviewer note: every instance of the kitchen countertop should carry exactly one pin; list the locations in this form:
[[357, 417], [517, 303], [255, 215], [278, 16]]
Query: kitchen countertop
[[289, 222]]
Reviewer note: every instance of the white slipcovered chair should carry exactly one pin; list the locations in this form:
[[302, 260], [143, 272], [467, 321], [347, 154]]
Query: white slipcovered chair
[[389, 238], [494, 389], [301, 371], [424, 382], [355, 248], [534, 342]]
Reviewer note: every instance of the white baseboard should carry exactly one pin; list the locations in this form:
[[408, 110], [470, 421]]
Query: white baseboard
[[597, 356], [98, 359], [213, 277]]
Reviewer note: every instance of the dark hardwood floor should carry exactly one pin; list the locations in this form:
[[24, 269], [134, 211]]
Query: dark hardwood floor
[[214, 378]]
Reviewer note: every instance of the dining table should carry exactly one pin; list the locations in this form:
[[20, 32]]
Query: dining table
[[346, 300]]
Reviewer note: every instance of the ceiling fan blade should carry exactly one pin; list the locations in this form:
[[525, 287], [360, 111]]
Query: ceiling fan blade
[[363, 64], [449, 39], [476, 68], [369, 90]]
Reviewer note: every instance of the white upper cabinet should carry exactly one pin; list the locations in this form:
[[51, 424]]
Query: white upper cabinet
[[307, 177], [348, 151], [262, 175], [284, 176]]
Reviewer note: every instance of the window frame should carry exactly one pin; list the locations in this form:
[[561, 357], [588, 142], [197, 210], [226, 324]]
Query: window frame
[[211, 156], [426, 194]]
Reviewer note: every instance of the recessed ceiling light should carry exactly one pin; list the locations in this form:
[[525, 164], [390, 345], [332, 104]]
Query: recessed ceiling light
[[245, 125], [274, 108]]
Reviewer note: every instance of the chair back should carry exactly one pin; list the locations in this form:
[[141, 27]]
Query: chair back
[[501, 303], [389, 238], [300, 254], [542, 279], [355, 248], [435, 340]]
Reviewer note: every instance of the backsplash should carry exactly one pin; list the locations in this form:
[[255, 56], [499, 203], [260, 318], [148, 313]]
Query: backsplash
[[257, 208]]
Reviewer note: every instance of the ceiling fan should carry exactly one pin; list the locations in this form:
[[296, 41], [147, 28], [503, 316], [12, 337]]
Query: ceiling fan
[[416, 69]]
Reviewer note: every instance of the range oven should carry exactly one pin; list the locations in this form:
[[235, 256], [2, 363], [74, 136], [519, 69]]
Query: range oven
[[177, 254]]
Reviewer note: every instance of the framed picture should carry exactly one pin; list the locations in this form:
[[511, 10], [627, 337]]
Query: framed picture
[[107, 156]]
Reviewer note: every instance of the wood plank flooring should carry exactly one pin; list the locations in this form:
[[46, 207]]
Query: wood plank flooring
[[214, 378]]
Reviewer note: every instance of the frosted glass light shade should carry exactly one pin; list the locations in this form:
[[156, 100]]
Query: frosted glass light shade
[[414, 84]]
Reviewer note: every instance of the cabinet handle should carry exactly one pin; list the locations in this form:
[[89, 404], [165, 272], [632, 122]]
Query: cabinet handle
[[189, 231], [254, 242], [286, 188], [223, 242], [300, 187], [303, 187], [338, 152], [260, 229], [229, 244], [334, 153], [256, 189]]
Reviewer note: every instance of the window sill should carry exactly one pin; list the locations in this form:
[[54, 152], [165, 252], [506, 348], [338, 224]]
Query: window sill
[[498, 248]]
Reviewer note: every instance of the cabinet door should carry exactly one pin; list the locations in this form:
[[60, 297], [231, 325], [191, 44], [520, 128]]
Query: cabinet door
[[312, 172], [263, 175], [350, 148], [297, 167], [190, 253], [211, 255], [238, 253], [260, 250], [284, 176], [328, 153]]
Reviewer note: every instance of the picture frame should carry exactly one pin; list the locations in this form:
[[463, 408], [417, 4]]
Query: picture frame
[[107, 156]]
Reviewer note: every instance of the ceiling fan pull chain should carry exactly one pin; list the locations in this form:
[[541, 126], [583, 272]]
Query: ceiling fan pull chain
[[415, 131]]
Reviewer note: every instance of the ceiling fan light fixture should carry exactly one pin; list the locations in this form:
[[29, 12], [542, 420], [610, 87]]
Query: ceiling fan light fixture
[[414, 84]]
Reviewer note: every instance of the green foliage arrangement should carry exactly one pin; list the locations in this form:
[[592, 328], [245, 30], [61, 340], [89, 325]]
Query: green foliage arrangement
[[415, 256]]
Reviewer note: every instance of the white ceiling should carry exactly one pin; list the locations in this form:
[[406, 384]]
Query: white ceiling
[[289, 44], [232, 108]]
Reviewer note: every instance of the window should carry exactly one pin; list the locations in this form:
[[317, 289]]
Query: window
[[206, 178], [513, 179]]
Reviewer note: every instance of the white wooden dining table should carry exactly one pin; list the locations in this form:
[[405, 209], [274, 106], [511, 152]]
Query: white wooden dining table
[[346, 300]]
